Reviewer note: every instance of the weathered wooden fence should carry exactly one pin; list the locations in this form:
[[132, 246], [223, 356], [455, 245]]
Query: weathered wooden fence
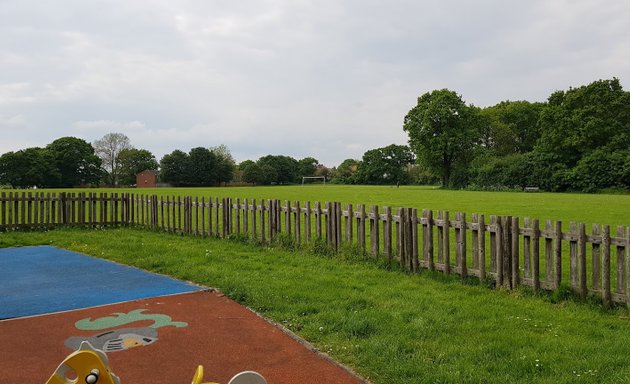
[[503, 249]]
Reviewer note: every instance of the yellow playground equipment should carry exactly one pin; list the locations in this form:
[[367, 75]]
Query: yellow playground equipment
[[91, 366]]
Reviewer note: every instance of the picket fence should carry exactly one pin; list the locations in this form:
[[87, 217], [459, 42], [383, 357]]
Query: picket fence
[[503, 249]]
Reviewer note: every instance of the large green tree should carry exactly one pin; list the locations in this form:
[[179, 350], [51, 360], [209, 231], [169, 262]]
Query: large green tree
[[31, 167], [581, 120], [387, 165], [202, 167], [346, 172], [76, 162], [225, 164], [307, 166], [174, 168], [286, 168], [510, 127], [442, 131]]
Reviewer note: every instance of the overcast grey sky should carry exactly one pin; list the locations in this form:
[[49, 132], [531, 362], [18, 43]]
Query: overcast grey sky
[[328, 78]]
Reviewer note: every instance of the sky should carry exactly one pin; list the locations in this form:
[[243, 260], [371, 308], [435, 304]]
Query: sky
[[328, 78]]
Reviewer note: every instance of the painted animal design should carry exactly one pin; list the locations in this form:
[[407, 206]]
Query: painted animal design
[[116, 340], [122, 338]]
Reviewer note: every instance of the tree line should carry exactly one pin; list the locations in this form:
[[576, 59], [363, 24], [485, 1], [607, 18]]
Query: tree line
[[575, 141]]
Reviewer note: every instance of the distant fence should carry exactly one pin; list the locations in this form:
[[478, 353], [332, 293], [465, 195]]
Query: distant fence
[[503, 249]]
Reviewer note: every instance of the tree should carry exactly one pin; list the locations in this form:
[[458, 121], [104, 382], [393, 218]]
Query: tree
[[174, 168], [253, 174], [511, 127], [581, 120], [31, 167], [307, 166], [286, 168], [133, 161], [76, 162], [387, 165], [225, 163], [108, 148], [442, 131], [346, 172], [201, 167]]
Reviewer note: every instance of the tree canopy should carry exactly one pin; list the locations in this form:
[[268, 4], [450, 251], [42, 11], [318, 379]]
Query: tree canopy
[[76, 162], [200, 167], [387, 165], [108, 149], [442, 131]]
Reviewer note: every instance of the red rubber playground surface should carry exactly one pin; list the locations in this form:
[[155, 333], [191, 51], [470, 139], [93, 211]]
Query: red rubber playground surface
[[158, 339]]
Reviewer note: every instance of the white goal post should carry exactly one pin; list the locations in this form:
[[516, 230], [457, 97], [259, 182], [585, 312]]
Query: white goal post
[[312, 178]]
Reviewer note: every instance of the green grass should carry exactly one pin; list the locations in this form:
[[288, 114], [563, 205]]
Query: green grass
[[389, 326], [586, 208]]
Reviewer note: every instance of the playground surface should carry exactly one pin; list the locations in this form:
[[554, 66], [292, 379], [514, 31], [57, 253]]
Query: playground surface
[[154, 329]]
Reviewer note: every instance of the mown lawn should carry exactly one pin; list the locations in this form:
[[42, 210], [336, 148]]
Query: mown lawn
[[586, 208], [389, 326]]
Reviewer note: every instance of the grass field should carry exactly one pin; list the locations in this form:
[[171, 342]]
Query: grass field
[[586, 208], [389, 326]]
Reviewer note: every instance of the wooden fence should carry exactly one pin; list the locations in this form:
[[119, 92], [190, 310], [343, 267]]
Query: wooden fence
[[504, 249]]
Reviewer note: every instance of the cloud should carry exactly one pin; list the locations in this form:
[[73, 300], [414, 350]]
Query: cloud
[[325, 78]]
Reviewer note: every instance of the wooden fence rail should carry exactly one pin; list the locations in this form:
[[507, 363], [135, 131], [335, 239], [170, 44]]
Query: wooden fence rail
[[503, 249]]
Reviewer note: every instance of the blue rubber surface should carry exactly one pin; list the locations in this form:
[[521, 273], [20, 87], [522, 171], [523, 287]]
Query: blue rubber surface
[[44, 279]]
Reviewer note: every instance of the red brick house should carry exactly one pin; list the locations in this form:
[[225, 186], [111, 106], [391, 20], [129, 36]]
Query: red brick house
[[147, 179]]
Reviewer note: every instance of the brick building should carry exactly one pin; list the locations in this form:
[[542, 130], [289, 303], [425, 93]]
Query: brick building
[[147, 179]]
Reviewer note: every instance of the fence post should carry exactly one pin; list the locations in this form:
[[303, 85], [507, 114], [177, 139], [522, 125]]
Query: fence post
[[374, 231], [387, 234], [246, 210], [446, 242], [318, 220], [462, 245], [498, 250], [428, 240], [330, 222], [349, 221], [262, 220], [515, 253], [536, 252], [620, 262], [606, 297], [238, 216], [297, 221], [254, 224], [627, 243], [307, 222], [361, 228], [287, 217], [557, 252], [596, 260], [582, 260], [573, 254], [400, 239], [506, 247], [62, 208], [271, 220], [481, 237], [414, 240]]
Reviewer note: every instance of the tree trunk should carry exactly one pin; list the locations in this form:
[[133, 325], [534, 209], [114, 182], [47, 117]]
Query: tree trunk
[[446, 172]]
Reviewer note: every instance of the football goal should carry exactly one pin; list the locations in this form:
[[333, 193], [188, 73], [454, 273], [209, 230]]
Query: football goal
[[313, 179]]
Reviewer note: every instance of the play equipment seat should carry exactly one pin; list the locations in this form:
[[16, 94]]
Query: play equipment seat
[[91, 366]]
